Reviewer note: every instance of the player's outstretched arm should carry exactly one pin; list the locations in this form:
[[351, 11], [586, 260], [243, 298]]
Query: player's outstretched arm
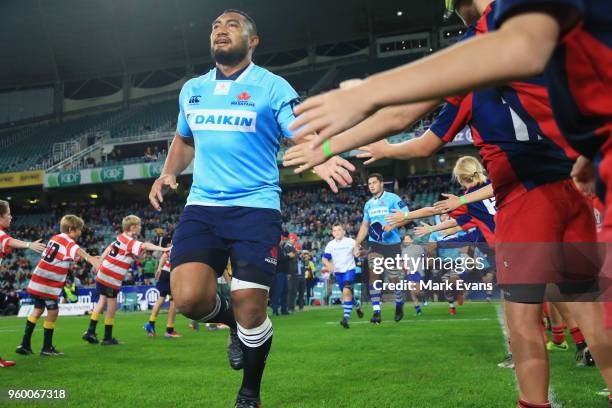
[[92, 260], [160, 266], [336, 171], [451, 231], [425, 228], [147, 246], [387, 122], [453, 202], [180, 155], [400, 218], [328, 265], [36, 246], [527, 41], [361, 235], [423, 146]]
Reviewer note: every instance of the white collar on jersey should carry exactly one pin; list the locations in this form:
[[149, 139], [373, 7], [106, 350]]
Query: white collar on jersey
[[240, 78]]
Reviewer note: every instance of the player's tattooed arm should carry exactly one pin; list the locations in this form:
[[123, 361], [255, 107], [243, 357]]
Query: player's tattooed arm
[[453, 202], [36, 246], [180, 155]]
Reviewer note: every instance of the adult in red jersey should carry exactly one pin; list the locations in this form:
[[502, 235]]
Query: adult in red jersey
[[48, 281], [7, 244], [116, 261]]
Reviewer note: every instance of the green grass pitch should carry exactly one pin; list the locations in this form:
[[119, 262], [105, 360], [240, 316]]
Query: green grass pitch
[[430, 361]]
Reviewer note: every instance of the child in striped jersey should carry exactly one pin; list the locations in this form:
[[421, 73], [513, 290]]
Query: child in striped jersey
[[7, 243], [48, 281], [116, 261]]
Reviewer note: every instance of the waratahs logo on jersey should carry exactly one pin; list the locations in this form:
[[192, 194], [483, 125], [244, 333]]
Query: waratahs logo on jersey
[[273, 258], [243, 99], [223, 120]]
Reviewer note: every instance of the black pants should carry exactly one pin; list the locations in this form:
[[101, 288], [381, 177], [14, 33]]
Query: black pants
[[301, 288], [291, 292], [309, 286], [279, 293]]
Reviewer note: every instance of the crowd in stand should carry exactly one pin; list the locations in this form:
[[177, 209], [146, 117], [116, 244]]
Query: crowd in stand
[[309, 213]]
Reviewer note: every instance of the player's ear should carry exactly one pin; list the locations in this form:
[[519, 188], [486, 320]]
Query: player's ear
[[253, 41]]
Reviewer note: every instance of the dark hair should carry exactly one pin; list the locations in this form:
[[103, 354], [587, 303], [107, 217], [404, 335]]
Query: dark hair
[[250, 21], [377, 176], [4, 208], [338, 224]]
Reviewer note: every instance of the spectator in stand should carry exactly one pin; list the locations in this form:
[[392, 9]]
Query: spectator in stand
[[309, 274], [10, 304]]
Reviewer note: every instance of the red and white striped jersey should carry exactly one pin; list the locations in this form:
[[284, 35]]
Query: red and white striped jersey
[[117, 263], [50, 274], [5, 249], [166, 267]]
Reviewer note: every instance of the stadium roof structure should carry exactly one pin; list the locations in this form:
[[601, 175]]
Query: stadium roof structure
[[46, 42]]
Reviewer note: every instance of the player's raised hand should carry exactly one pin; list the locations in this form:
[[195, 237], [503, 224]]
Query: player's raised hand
[[336, 171], [374, 151], [159, 188], [422, 230], [389, 227], [397, 216], [304, 157], [450, 204], [37, 246], [583, 174], [331, 113]]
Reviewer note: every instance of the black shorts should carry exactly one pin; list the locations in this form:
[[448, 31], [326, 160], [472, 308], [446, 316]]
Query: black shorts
[[104, 290], [249, 237], [44, 303], [163, 284]]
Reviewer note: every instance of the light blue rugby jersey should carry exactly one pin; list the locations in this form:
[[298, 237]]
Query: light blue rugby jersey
[[375, 211], [236, 127]]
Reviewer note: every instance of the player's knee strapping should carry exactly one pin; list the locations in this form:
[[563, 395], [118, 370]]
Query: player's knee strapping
[[221, 313], [257, 336]]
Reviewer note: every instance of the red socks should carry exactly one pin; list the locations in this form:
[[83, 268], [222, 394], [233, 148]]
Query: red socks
[[576, 335], [558, 334]]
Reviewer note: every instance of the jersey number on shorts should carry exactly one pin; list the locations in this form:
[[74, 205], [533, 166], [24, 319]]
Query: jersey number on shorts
[[51, 252]]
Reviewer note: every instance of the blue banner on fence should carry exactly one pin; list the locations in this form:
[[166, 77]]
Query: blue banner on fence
[[143, 293]]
